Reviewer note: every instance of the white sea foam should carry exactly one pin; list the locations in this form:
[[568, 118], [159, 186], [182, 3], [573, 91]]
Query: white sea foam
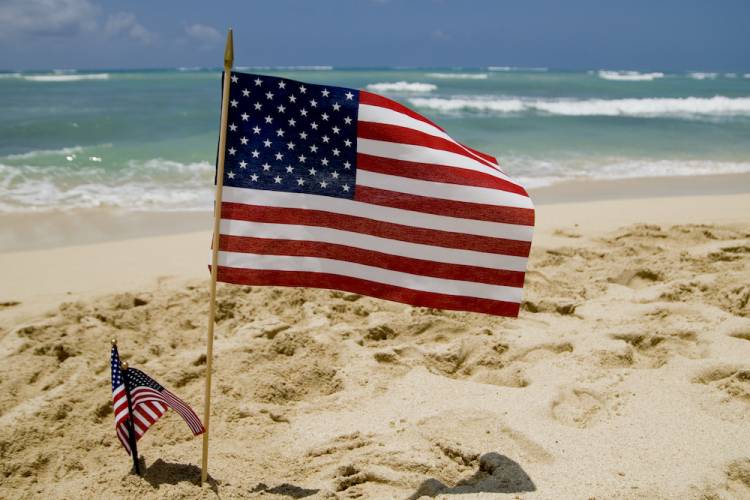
[[402, 87], [10, 75], [469, 104], [155, 184], [45, 152], [515, 68], [286, 68], [459, 76], [627, 169], [703, 76], [535, 173], [66, 78], [647, 107], [629, 76]]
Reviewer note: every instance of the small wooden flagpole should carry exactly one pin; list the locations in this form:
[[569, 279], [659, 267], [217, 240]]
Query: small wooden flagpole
[[228, 62], [131, 427]]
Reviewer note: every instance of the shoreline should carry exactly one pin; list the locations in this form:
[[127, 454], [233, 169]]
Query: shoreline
[[46, 230], [42, 277]]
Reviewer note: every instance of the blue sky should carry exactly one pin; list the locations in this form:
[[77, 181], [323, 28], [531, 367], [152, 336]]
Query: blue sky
[[574, 34]]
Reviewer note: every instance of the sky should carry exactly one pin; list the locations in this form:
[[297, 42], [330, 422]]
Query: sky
[[670, 35]]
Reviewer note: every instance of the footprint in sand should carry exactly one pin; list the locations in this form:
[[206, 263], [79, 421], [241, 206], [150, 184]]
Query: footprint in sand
[[742, 335], [733, 381], [637, 278], [578, 408], [736, 483], [652, 350]]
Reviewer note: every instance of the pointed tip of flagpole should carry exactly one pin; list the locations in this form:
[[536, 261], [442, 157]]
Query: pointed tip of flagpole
[[114, 342], [124, 366], [229, 50]]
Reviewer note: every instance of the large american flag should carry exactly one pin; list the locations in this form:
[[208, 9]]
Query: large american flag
[[149, 401], [344, 189]]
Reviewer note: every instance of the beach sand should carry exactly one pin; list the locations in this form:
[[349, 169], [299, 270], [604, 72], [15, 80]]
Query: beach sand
[[627, 374]]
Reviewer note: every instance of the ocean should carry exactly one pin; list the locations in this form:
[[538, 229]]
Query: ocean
[[146, 140]]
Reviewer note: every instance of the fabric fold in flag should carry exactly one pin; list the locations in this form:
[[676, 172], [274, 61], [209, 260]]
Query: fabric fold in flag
[[338, 188]]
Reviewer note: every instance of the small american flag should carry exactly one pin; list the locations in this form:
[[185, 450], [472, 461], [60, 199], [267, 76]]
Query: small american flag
[[343, 189], [149, 401]]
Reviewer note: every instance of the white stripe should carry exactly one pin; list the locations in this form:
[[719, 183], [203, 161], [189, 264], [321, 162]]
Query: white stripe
[[124, 412], [385, 276], [424, 154], [378, 114], [375, 243], [122, 433], [469, 194], [140, 421], [150, 412], [376, 212], [183, 409]]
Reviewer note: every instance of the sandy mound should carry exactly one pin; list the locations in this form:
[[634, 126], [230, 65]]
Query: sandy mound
[[628, 375]]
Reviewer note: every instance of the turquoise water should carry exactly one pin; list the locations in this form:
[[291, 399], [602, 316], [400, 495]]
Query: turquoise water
[[146, 140]]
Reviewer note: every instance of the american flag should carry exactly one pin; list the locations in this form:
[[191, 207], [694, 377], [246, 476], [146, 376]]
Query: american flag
[[149, 401], [344, 189]]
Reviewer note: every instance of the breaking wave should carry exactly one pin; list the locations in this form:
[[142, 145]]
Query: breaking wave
[[516, 68], [535, 173], [646, 107], [66, 77], [155, 184], [629, 76], [286, 68], [45, 152], [402, 87], [703, 76], [459, 76]]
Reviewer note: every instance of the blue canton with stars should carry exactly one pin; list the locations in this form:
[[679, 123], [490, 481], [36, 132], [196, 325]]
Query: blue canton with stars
[[284, 135]]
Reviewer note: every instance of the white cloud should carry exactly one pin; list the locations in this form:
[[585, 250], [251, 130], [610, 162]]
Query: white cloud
[[47, 17], [205, 35], [126, 22]]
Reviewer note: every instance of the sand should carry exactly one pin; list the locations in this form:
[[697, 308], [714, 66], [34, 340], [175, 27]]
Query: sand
[[627, 374]]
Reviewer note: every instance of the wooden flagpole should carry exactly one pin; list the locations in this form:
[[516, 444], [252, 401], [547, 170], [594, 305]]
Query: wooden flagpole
[[131, 427], [228, 62]]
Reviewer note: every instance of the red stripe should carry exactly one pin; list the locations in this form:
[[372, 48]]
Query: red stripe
[[177, 404], [370, 258], [389, 230], [450, 208], [365, 287], [435, 173], [122, 434], [405, 135], [378, 100], [120, 405], [143, 415], [158, 410], [144, 391], [187, 414], [487, 157]]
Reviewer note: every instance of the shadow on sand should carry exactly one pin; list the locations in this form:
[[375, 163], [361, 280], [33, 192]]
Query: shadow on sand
[[286, 489], [161, 472], [497, 474]]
